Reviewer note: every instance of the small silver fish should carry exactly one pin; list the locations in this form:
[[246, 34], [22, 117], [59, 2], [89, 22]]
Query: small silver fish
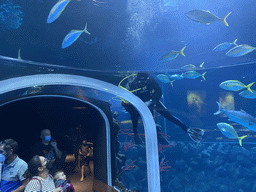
[[235, 85], [240, 50], [248, 94], [224, 46], [229, 131], [193, 75], [175, 76], [205, 17]]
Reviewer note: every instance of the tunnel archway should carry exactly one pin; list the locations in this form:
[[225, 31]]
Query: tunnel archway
[[24, 119]]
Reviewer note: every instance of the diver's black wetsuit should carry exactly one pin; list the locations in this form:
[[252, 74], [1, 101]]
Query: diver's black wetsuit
[[150, 93]]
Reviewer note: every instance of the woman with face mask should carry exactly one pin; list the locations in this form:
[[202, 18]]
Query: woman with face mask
[[40, 179]]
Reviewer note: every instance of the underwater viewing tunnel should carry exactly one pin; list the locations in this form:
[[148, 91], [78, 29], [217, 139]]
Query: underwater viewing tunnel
[[49, 101], [160, 92], [25, 118]]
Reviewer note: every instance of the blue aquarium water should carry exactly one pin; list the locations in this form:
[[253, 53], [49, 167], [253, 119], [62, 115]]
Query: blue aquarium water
[[189, 47]]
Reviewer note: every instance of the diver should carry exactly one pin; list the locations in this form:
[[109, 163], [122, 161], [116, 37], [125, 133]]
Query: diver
[[148, 90]]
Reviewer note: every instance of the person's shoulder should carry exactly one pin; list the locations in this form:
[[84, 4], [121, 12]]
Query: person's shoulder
[[50, 177], [22, 162], [34, 183]]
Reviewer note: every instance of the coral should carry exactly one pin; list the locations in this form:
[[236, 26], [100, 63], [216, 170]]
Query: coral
[[197, 167], [128, 145], [163, 166], [128, 167]]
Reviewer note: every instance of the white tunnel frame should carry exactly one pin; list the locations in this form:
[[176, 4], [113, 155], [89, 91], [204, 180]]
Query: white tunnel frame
[[153, 173]]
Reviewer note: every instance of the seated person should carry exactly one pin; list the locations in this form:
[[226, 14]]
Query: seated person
[[13, 167], [47, 147], [38, 173], [61, 181]]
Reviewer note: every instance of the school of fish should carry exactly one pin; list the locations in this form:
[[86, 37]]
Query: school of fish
[[204, 17]]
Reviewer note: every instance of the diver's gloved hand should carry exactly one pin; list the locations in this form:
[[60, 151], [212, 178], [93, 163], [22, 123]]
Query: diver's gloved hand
[[148, 103], [195, 134]]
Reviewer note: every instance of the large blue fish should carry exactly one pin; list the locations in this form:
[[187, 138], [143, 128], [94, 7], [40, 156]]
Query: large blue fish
[[224, 46], [240, 50], [240, 117], [57, 9], [72, 36], [205, 17]]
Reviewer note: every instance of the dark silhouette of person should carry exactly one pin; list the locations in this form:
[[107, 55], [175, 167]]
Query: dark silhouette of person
[[48, 148], [148, 90]]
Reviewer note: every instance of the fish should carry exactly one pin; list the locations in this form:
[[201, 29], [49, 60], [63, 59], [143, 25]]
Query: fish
[[188, 67], [175, 76], [224, 46], [57, 9], [229, 131], [72, 36], [235, 85], [205, 17], [240, 50], [248, 94], [194, 75], [163, 78], [172, 55], [240, 117], [191, 67]]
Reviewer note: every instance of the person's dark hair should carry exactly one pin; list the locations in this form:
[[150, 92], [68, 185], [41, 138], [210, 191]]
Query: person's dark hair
[[33, 166], [9, 144]]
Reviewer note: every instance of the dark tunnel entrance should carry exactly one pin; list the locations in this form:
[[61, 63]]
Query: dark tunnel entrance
[[23, 120]]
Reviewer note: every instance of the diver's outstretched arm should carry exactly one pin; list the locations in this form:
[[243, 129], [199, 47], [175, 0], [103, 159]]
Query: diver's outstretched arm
[[160, 108], [195, 134]]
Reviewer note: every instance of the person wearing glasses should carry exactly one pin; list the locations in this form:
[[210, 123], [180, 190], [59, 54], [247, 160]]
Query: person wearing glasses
[[38, 173], [13, 167]]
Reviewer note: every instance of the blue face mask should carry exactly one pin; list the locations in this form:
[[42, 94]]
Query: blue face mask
[[47, 138], [2, 158]]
